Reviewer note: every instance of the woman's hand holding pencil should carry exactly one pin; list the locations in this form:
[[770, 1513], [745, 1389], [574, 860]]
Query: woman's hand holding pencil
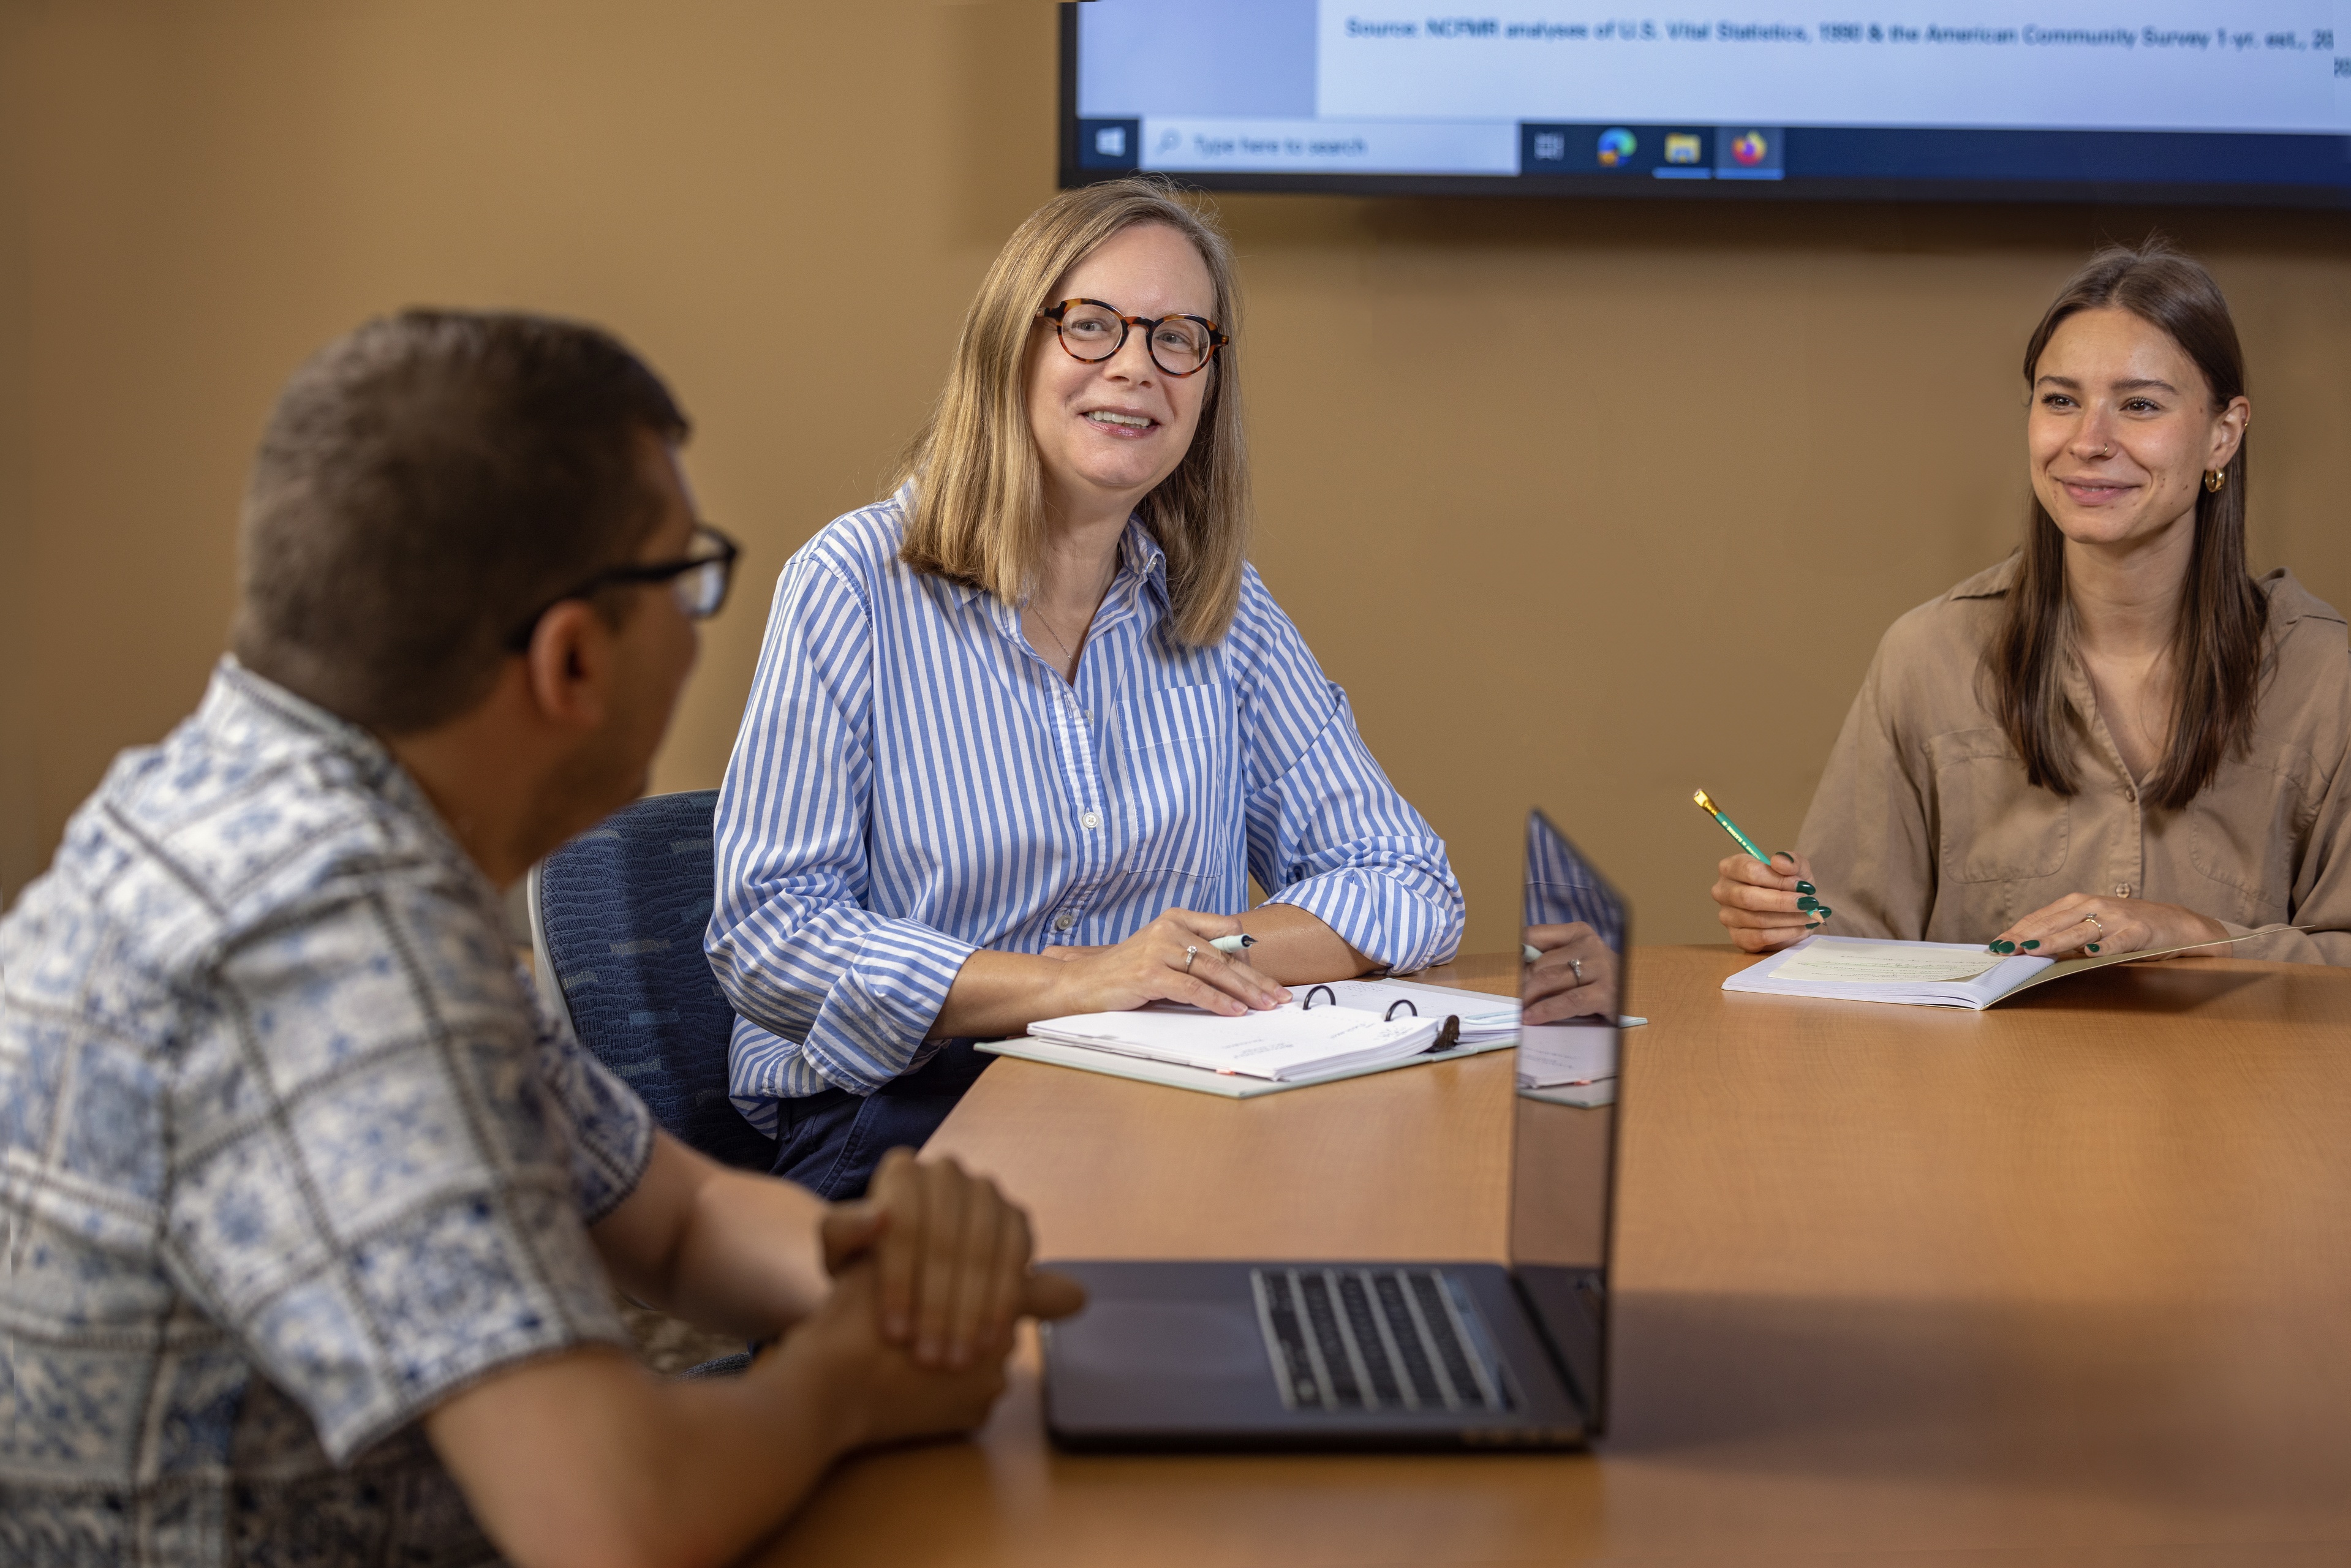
[[1765, 901]]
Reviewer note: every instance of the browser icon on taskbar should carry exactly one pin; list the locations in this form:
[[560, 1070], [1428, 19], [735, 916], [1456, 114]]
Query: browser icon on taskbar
[[1618, 146], [1749, 153]]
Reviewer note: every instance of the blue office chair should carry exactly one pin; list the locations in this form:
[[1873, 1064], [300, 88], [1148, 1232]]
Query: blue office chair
[[616, 920]]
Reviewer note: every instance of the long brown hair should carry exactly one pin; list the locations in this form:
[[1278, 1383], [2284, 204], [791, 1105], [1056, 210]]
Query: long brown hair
[[2217, 648], [978, 508]]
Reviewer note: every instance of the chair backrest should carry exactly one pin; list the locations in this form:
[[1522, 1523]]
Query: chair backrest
[[616, 919]]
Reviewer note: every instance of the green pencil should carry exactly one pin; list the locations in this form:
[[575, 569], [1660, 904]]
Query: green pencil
[[1730, 827]]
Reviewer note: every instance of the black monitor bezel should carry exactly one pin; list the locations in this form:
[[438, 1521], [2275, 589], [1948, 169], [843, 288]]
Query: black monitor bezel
[[1604, 187]]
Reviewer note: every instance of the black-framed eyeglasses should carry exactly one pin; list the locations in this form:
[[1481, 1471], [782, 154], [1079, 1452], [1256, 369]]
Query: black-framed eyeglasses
[[699, 581], [1093, 331]]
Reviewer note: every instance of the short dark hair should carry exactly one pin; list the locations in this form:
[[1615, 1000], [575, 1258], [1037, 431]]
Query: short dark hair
[[2217, 647], [424, 485]]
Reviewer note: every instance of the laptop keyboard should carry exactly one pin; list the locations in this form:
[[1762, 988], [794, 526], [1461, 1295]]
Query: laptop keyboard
[[1374, 1339]]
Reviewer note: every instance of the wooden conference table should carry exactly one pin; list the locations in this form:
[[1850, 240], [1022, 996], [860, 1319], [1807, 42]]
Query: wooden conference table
[[2068, 1282]]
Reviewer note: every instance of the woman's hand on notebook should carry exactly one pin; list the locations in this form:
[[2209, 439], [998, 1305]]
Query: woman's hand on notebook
[[2081, 923], [1766, 907], [1168, 960], [1574, 978]]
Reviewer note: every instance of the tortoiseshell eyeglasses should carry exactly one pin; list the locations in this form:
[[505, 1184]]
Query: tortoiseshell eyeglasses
[[1093, 331]]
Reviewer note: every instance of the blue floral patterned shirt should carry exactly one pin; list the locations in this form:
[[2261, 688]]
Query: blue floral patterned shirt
[[287, 1154]]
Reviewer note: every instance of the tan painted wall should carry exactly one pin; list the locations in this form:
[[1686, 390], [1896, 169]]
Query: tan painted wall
[[1586, 505]]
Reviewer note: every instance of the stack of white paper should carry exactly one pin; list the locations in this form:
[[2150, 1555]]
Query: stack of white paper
[[1279, 1044]]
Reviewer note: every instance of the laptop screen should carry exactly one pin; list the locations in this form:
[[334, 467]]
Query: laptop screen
[[1570, 994]]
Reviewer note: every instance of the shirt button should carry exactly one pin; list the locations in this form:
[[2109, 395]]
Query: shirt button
[[2122, 890], [1063, 922], [1090, 821]]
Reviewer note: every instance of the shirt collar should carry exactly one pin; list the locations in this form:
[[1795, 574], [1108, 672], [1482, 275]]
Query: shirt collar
[[250, 712], [238, 701], [1139, 554], [1992, 582], [2288, 600], [1141, 563]]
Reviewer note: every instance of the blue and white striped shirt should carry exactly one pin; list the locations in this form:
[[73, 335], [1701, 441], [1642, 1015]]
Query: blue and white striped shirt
[[913, 783]]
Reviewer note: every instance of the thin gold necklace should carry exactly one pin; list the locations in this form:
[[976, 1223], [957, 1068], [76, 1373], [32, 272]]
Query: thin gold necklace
[[1068, 653]]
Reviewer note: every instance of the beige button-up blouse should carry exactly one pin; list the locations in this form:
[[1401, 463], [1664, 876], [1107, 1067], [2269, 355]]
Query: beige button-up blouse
[[1923, 825]]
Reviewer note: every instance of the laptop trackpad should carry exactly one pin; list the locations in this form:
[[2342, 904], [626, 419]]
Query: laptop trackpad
[[1162, 1339]]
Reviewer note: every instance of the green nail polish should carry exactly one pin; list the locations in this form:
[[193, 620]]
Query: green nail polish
[[1806, 887], [2094, 947], [1808, 904], [2030, 945], [1825, 912]]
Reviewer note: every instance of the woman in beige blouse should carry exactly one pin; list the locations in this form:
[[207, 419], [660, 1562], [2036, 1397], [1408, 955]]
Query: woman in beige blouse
[[2117, 736]]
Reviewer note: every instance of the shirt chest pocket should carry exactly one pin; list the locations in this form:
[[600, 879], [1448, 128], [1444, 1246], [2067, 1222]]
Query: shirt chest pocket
[[1174, 752], [1991, 824], [2247, 830]]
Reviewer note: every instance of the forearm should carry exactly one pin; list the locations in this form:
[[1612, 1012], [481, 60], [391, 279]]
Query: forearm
[[1294, 946], [997, 995], [623, 1469], [750, 1261], [2288, 946], [724, 1249]]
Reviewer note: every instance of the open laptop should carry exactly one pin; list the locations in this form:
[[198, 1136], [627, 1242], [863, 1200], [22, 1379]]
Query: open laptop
[[1387, 1356]]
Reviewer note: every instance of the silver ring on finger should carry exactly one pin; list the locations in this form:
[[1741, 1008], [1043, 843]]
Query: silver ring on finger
[[1189, 955], [1577, 965]]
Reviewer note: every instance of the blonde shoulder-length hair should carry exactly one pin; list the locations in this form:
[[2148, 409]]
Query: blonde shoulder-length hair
[[977, 510]]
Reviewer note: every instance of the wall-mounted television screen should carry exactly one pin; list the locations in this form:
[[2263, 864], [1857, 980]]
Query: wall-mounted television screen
[[2168, 100]]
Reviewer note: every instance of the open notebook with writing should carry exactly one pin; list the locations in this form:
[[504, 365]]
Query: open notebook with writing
[[1925, 974], [1353, 1028]]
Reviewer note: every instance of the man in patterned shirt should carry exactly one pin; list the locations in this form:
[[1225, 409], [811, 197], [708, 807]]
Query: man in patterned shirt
[[308, 1213]]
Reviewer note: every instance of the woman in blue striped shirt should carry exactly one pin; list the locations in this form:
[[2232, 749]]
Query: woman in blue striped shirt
[[1020, 734]]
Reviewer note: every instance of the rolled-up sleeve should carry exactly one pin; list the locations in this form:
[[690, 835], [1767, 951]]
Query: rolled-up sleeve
[[1327, 831], [791, 941]]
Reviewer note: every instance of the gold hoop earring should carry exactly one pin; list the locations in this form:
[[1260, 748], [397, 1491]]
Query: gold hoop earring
[[2214, 478]]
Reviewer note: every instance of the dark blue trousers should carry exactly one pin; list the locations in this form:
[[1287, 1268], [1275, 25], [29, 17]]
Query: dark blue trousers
[[831, 1143]]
